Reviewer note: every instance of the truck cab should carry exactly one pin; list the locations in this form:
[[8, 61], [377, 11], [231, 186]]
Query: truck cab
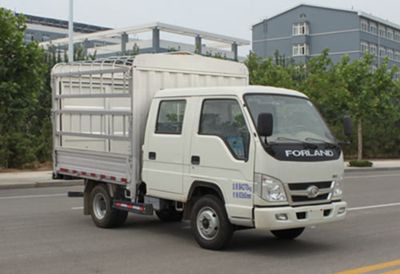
[[242, 157]]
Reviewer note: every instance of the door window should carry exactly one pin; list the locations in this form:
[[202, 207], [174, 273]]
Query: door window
[[170, 117], [224, 118]]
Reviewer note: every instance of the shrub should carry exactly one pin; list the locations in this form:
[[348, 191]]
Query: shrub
[[360, 163]]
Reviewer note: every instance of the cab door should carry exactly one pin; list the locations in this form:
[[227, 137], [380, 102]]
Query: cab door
[[163, 149], [222, 153]]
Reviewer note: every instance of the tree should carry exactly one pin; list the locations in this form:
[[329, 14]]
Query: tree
[[21, 78], [135, 49], [266, 72], [369, 92], [383, 137], [370, 96], [326, 88]]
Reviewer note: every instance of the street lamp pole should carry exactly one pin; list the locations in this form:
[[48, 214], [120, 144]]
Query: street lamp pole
[[71, 32]]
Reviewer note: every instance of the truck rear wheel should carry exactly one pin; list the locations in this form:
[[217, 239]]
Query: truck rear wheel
[[288, 234], [169, 215], [210, 223], [101, 210]]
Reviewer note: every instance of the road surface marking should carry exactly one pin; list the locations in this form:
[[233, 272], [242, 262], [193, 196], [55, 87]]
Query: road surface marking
[[33, 196], [77, 208], [370, 268], [371, 176], [373, 206], [396, 271]]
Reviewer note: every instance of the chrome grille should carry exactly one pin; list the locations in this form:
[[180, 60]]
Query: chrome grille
[[299, 194]]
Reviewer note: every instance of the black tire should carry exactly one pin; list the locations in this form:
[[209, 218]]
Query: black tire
[[169, 215], [288, 234], [210, 224], [101, 210]]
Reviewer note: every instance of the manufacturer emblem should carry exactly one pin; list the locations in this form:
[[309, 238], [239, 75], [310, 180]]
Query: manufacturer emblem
[[312, 192]]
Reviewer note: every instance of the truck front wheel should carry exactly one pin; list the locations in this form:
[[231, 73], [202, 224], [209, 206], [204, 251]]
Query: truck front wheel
[[288, 234], [101, 210], [210, 223]]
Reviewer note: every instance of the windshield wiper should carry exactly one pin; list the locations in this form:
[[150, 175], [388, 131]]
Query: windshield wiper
[[306, 144], [327, 144], [289, 139]]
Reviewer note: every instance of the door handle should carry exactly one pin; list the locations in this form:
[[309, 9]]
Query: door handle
[[195, 160], [152, 155]]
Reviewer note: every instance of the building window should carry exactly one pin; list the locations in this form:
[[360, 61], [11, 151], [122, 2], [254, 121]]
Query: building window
[[382, 31], [373, 49], [29, 37], [397, 36], [389, 34], [364, 25], [397, 56], [170, 117], [296, 50], [382, 52], [300, 29], [390, 54], [373, 28], [301, 50], [364, 47], [45, 38]]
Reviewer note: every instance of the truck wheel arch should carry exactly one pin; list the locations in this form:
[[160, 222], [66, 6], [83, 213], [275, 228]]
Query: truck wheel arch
[[200, 188]]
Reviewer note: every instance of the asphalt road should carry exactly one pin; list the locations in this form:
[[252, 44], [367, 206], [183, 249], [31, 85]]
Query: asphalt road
[[43, 231]]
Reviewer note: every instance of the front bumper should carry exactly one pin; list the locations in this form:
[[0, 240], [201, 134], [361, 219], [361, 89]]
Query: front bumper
[[267, 218]]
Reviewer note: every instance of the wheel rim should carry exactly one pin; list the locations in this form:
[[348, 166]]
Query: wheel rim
[[207, 223], [99, 206]]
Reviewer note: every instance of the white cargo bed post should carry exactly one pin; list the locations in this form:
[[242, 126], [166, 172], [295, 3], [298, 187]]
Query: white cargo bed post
[[92, 121]]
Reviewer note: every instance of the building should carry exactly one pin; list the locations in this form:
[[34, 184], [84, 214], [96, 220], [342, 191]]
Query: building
[[305, 31], [43, 29]]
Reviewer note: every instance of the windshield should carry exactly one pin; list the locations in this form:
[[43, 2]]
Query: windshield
[[294, 119]]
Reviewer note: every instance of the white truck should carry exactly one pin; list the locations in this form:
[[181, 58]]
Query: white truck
[[184, 136]]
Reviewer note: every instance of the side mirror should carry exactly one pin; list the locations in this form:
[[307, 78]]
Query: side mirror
[[347, 126], [265, 124]]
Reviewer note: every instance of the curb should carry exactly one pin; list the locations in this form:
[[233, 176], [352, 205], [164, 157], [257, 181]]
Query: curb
[[368, 169], [57, 183]]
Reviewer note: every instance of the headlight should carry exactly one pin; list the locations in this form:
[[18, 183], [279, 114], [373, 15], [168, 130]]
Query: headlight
[[269, 188], [337, 188]]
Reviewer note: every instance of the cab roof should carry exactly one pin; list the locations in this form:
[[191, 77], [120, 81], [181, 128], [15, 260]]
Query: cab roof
[[226, 91]]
